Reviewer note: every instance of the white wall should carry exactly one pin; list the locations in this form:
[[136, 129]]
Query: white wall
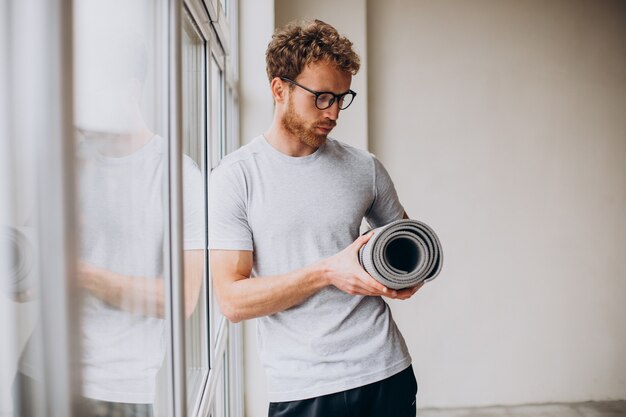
[[504, 127]]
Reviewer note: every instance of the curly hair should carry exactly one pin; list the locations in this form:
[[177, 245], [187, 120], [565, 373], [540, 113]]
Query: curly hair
[[295, 46]]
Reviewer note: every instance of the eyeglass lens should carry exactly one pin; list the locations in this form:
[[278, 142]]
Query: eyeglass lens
[[324, 101]]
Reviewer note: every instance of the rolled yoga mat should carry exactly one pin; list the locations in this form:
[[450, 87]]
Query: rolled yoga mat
[[402, 254]]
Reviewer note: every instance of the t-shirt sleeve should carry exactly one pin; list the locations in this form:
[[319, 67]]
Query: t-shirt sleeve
[[228, 215], [386, 206], [193, 206]]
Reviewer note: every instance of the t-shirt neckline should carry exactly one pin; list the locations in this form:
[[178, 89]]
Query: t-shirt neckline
[[298, 160]]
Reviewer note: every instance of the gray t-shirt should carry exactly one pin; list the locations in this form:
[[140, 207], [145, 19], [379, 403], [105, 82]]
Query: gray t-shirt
[[292, 212]]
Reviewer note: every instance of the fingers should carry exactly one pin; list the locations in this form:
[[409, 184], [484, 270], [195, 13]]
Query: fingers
[[374, 286], [369, 286], [360, 282], [366, 285], [406, 293], [362, 289]]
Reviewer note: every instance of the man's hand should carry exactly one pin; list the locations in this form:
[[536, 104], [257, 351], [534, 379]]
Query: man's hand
[[344, 271], [406, 293], [242, 298]]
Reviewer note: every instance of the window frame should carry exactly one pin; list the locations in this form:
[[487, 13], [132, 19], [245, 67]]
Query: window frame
[[225, 338], [200, 384]]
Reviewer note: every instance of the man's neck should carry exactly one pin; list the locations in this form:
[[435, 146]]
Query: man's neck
[[283, 141]]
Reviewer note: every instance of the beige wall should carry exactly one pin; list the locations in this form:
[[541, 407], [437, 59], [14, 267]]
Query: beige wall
[[256, 24], [503, 125]]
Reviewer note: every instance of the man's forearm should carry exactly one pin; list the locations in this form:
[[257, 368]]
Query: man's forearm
[[261, 296], [242, 298]]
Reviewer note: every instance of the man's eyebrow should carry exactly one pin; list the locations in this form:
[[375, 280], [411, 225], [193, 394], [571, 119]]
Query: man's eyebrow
[[330, 91]]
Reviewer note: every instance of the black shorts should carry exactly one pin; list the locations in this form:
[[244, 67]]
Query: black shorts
[[394, 396]]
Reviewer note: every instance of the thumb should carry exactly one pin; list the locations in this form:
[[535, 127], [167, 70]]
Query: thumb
[[363, 239]]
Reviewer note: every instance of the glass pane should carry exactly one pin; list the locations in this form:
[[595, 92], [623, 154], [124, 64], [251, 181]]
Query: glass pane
[[216, 110], [220, 406], [228, 117], [232, 59], [217, 151], [194, 232], [21, 353], [121, 159], [232, 121], [226, 384], [29, 127]]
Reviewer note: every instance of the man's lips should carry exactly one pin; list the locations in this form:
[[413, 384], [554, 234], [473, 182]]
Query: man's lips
[[326, 128]]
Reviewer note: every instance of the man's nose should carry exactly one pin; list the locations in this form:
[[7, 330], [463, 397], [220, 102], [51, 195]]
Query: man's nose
[[333, 111]]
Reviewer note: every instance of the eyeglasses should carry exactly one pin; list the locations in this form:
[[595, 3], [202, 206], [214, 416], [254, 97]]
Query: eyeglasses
[[325, 99]]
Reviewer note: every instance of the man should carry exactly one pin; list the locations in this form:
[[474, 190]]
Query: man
[[284, 237]]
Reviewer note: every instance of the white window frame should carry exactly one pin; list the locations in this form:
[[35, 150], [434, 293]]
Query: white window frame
[[225, 338]]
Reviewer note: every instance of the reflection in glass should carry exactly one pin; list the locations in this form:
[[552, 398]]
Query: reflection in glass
[[19, 273], [121, 168], [24, 123]]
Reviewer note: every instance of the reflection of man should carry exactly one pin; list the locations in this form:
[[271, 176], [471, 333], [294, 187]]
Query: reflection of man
[[122, 265], [288, 214], [121, 167]]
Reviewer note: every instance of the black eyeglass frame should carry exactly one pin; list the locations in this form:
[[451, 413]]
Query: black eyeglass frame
[[317, 94]]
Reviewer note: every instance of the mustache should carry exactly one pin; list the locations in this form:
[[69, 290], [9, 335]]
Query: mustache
[[327, 125]]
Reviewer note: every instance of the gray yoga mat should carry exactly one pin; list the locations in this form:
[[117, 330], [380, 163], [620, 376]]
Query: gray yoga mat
[[402, 254]]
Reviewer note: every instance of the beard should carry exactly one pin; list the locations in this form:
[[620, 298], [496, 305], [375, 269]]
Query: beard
[[296, 126]]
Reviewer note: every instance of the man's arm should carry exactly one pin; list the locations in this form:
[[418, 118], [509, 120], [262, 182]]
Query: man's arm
[[142, 295], [242, 298]]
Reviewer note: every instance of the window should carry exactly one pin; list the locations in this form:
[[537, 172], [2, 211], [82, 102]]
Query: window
[[107, 144], [126, 224]]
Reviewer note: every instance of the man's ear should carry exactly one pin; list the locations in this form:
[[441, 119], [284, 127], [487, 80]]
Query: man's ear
[[278, 90]]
